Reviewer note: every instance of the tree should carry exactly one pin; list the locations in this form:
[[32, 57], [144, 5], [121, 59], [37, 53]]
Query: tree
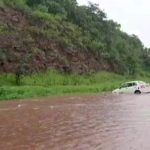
[[22, 69], [55, 8]]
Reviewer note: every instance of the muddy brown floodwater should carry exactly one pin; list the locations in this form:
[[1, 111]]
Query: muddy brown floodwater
[[98, 122]]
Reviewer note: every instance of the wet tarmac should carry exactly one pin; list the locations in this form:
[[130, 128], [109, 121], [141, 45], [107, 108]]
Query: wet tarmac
[[98, 122]]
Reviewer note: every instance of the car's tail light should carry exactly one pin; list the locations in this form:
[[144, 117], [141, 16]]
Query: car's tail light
[[143, 86]]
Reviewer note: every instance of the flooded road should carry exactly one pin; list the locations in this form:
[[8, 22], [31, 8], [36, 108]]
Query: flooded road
[[98, 122]]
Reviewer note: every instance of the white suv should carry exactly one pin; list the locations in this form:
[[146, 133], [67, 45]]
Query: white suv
[[135, 87]]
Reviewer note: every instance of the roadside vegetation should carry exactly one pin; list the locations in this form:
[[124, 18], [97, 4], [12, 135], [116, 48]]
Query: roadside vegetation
[[56, 83], [65, 28]]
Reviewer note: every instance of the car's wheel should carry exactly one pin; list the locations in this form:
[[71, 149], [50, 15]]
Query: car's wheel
[[137, 92]]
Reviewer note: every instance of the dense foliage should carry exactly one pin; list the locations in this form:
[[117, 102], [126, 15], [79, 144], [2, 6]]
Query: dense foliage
[[86, 28]]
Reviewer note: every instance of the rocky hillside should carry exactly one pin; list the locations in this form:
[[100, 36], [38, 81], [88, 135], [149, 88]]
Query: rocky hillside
[[34, 39], [21, 45]]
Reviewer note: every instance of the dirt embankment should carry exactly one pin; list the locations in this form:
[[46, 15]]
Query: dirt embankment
[[20, 45]]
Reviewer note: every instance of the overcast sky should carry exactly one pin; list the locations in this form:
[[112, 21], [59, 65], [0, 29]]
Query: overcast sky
[[133, 15]]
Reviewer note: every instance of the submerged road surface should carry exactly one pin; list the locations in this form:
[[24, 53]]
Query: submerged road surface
[[107, 122]]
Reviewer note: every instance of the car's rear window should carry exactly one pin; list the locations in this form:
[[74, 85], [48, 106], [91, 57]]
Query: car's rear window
[[131, 84], [134, 84]]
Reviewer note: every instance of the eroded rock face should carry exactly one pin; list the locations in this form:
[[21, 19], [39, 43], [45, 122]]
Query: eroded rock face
[[20, 45]]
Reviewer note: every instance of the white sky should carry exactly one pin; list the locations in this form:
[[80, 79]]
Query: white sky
[[133, 15]]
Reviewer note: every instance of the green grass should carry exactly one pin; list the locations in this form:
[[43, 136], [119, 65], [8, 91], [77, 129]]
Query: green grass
[[54, 78], [19, 92], [55, 83], [1, 4]]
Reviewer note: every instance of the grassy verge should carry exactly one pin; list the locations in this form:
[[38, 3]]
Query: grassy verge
[[55, 83], [15, 92]]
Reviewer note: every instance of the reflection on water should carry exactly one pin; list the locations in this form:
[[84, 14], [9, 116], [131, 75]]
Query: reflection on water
[[107, 122]]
